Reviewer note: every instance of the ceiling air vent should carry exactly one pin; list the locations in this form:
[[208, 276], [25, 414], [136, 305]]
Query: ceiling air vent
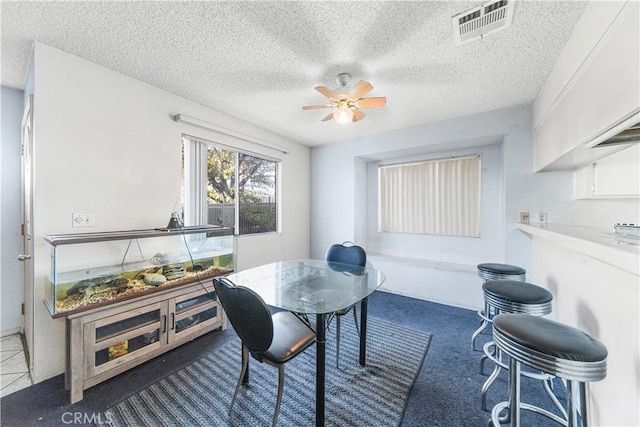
[[481, 20]]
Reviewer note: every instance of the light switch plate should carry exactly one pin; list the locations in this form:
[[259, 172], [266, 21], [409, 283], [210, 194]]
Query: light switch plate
[[83, 219]]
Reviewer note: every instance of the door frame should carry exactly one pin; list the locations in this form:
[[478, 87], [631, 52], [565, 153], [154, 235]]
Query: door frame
[[27, 185]]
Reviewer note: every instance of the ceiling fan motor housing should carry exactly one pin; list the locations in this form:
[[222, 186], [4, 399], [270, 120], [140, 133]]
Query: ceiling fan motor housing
[[343, 79]]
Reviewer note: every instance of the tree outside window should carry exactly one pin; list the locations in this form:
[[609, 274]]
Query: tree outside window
[[249, 177]]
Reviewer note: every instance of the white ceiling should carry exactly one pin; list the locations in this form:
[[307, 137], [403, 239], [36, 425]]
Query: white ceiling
[[260, 60]]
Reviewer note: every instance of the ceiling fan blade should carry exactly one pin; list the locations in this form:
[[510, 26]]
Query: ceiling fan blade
[[357, 115], [360, 89], [377, 102], [327, 92], [316, 107], [329, 117]]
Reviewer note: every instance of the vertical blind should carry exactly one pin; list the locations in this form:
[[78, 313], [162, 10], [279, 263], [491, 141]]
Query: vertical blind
[[439, 196]]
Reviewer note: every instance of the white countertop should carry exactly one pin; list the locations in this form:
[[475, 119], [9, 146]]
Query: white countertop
[[598, 243]]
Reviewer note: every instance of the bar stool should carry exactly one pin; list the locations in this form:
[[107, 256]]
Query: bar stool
[[553, 348], [493, 271], [510, 296]]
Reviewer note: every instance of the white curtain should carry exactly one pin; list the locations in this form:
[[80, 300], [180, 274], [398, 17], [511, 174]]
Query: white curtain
[[440, 196]]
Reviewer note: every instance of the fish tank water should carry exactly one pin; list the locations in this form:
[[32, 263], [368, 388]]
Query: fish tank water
[[91, 270]]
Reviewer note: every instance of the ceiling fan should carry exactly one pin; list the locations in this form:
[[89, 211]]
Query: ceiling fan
[[346, 105]]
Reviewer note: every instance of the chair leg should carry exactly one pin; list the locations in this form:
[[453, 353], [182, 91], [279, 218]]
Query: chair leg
[[548, 387], [487, 315], [583, 403], [485, 356], [476, 333], [245, 364], [338, 341], [280, 390], [496, 371], [512, 405], [579, 388], [514, 392], [355, 319]]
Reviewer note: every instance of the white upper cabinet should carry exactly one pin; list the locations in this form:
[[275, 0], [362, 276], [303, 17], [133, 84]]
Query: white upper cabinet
[[593, 87], [617, 175]]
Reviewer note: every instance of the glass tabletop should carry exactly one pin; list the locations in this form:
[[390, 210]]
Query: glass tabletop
[[310, 286]]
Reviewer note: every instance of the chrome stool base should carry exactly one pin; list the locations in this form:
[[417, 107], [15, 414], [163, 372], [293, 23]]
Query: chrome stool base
[[547, 380]]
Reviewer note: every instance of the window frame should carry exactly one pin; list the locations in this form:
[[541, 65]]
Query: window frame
[[195, 181]]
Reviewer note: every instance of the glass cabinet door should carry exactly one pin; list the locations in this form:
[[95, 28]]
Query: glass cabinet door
[[193, 312], [128, 335]]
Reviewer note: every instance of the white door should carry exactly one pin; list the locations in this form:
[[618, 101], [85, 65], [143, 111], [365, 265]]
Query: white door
[[27, 227]]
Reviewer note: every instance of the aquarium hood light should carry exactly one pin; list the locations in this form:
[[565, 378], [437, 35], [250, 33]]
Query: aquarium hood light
[[174, 222]]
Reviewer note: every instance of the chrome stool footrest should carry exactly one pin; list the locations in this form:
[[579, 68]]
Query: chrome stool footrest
[[547, 379], [496, 420]]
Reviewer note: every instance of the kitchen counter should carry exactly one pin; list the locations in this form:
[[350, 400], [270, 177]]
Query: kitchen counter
[[598, 243]]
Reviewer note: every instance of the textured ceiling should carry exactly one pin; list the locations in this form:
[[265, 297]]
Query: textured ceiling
[[260, 61]]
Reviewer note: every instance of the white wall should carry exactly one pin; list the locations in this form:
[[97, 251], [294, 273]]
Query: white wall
[[108, 144], [449, 275], [460, 250], [602, 300], [10, 213], [338, 211]]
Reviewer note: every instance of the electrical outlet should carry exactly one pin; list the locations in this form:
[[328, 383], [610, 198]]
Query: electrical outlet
[[542, 217], [83, 219]]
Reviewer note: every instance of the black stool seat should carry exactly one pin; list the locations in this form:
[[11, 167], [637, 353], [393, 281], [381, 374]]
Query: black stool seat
[[494, 271], [552, 338], [516, 291], [551, 347]]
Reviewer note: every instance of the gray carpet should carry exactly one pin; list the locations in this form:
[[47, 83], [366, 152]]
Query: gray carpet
[[376, 394]]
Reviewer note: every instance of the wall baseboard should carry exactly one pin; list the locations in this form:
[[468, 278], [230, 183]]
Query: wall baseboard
[[10, 332]]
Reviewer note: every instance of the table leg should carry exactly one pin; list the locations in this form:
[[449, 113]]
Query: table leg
[[363, 331], [320, 367]]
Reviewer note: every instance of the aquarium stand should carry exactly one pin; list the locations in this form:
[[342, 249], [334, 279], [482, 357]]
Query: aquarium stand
[[129, 296], [106, 341]]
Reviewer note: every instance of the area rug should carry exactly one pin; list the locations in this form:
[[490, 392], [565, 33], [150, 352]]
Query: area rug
[[375, 394]]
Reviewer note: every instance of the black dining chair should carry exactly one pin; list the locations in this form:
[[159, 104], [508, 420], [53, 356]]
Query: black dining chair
[[271, 338], [354, 255]]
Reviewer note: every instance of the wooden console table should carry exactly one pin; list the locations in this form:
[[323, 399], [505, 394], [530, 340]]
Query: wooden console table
[[106, 341]]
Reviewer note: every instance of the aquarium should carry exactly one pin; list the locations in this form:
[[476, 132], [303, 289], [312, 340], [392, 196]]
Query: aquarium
[[91, 270]]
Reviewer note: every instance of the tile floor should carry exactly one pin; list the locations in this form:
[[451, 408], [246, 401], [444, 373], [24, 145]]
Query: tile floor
[[14, 373]]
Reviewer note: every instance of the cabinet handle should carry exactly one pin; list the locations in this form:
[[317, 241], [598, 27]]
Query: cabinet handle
[[164, 324], [173, 321]]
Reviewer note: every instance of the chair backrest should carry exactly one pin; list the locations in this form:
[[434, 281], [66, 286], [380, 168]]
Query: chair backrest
[[347, 253], [248, 314]]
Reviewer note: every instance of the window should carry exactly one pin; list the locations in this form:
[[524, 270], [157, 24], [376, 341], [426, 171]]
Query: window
[[229, 188], [440, 196]]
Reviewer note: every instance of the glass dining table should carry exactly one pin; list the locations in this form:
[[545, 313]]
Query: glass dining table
[[314, 287]]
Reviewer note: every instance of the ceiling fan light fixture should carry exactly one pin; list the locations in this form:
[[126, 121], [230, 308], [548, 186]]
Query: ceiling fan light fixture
[[347, 104], [343, 116]]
